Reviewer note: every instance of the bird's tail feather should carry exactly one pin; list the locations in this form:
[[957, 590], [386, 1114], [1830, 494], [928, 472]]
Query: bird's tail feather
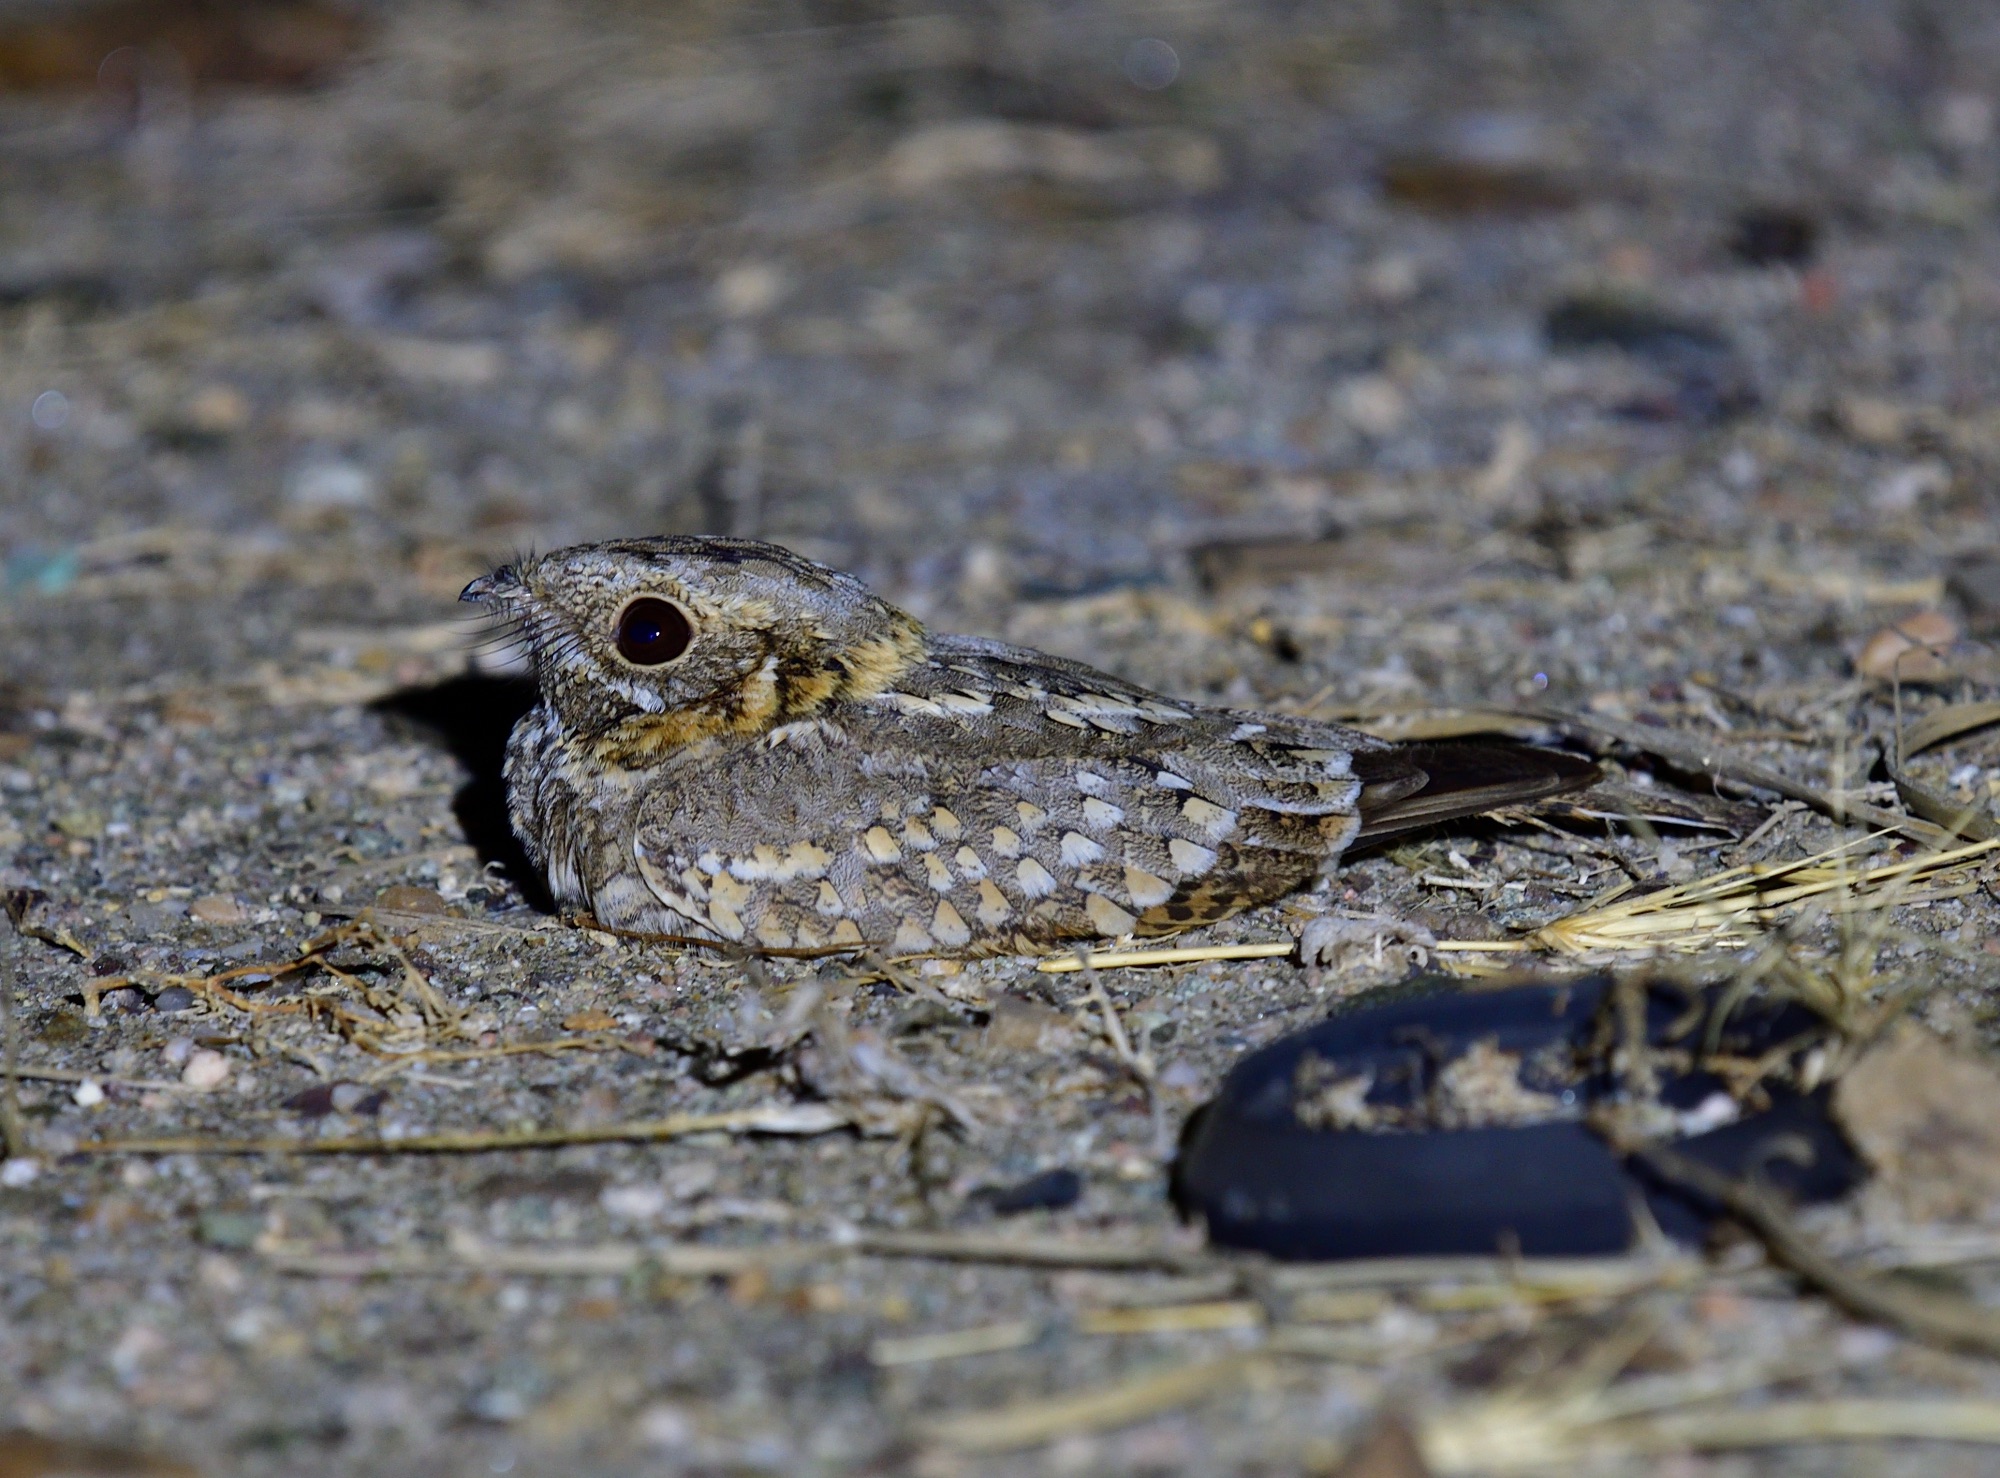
[[1417, 785]]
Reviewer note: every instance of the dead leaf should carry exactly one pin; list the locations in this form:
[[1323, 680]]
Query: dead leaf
[[264, 43], [1948, 723], [1910, 650], [31, 1455], [1927, 1118]]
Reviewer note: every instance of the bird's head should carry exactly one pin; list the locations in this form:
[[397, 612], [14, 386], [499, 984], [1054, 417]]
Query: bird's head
[[685, 637]]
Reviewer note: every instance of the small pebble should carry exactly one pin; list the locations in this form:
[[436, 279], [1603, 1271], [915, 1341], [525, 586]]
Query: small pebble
[[88, 1094], [205, 1069], [403, 898], [1049, 1191], [356, 1098], [16, 1173], [173, 998], [633, 1202], [217, 908], [177, 1049]]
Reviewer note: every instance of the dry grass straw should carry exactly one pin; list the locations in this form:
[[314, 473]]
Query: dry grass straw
[[783, 1118], [1525, 1437], [409, 1022], [1189, 955], [1043, 1419], [1741, 905]]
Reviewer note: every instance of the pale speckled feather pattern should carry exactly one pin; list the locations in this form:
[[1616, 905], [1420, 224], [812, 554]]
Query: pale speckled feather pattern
[[819, 770]]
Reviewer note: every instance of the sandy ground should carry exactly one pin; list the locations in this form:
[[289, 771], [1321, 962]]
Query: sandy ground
[[1366, 359]]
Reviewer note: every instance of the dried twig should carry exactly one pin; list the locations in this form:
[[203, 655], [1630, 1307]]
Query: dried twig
[[955, 1344], [1037, 1252], [1029, 1423], [1697, 754], [466, 1254], [33, 1074], [805, 1118], [1189, 955], [1950, 1322]]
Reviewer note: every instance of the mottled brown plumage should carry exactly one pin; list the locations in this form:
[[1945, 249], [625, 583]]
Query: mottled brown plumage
[[737, 743]]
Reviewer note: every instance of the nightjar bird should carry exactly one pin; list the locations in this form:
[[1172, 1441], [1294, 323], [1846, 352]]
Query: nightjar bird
[[735, 743]]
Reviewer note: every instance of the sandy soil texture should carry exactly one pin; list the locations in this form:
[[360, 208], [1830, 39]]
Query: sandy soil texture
[[1634, 365]]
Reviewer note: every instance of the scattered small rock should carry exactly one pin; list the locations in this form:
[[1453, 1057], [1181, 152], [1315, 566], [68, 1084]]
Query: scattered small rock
[[1773, 236], [1051, 1190], [357, 1098], [217, 908], [238, 1229], [634, 1202], [174, 998], [1018, 1024], [343, 1097], [206, 1069], [406, 898]]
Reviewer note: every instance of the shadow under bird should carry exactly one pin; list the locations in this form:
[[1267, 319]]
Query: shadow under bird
[[736, 743]]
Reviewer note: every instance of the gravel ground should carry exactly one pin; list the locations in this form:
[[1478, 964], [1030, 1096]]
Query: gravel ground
[[1360, 358]]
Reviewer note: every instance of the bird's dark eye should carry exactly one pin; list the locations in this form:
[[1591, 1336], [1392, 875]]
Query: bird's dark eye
[[652, 631]]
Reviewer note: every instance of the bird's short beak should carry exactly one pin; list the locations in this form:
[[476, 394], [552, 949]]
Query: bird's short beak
[[493, 589]]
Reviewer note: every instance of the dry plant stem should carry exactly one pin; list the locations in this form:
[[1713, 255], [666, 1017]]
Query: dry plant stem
[[1850, 1419], [469, 1256], [923, 1349], [1190, 955], [1144, 1071], [1721, 765], [771, 1119], [1951, 1323], [1036, 1252], [1030, 1423], [103, 1080]]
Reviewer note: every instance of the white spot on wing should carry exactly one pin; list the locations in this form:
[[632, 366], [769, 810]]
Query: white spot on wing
[[949, 927], [1034, 878], [965, 705], [1101, 814], [1146, 890], [1079, 850]]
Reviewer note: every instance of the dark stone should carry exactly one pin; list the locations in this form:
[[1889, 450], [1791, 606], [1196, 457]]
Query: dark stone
[[1773, 236], [174, 998], [1051, 1190]]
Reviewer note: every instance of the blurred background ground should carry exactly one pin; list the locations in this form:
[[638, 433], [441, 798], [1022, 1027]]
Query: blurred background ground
[[1342, 356]]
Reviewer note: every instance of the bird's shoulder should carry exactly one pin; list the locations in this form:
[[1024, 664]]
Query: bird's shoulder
[[978, 701]]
